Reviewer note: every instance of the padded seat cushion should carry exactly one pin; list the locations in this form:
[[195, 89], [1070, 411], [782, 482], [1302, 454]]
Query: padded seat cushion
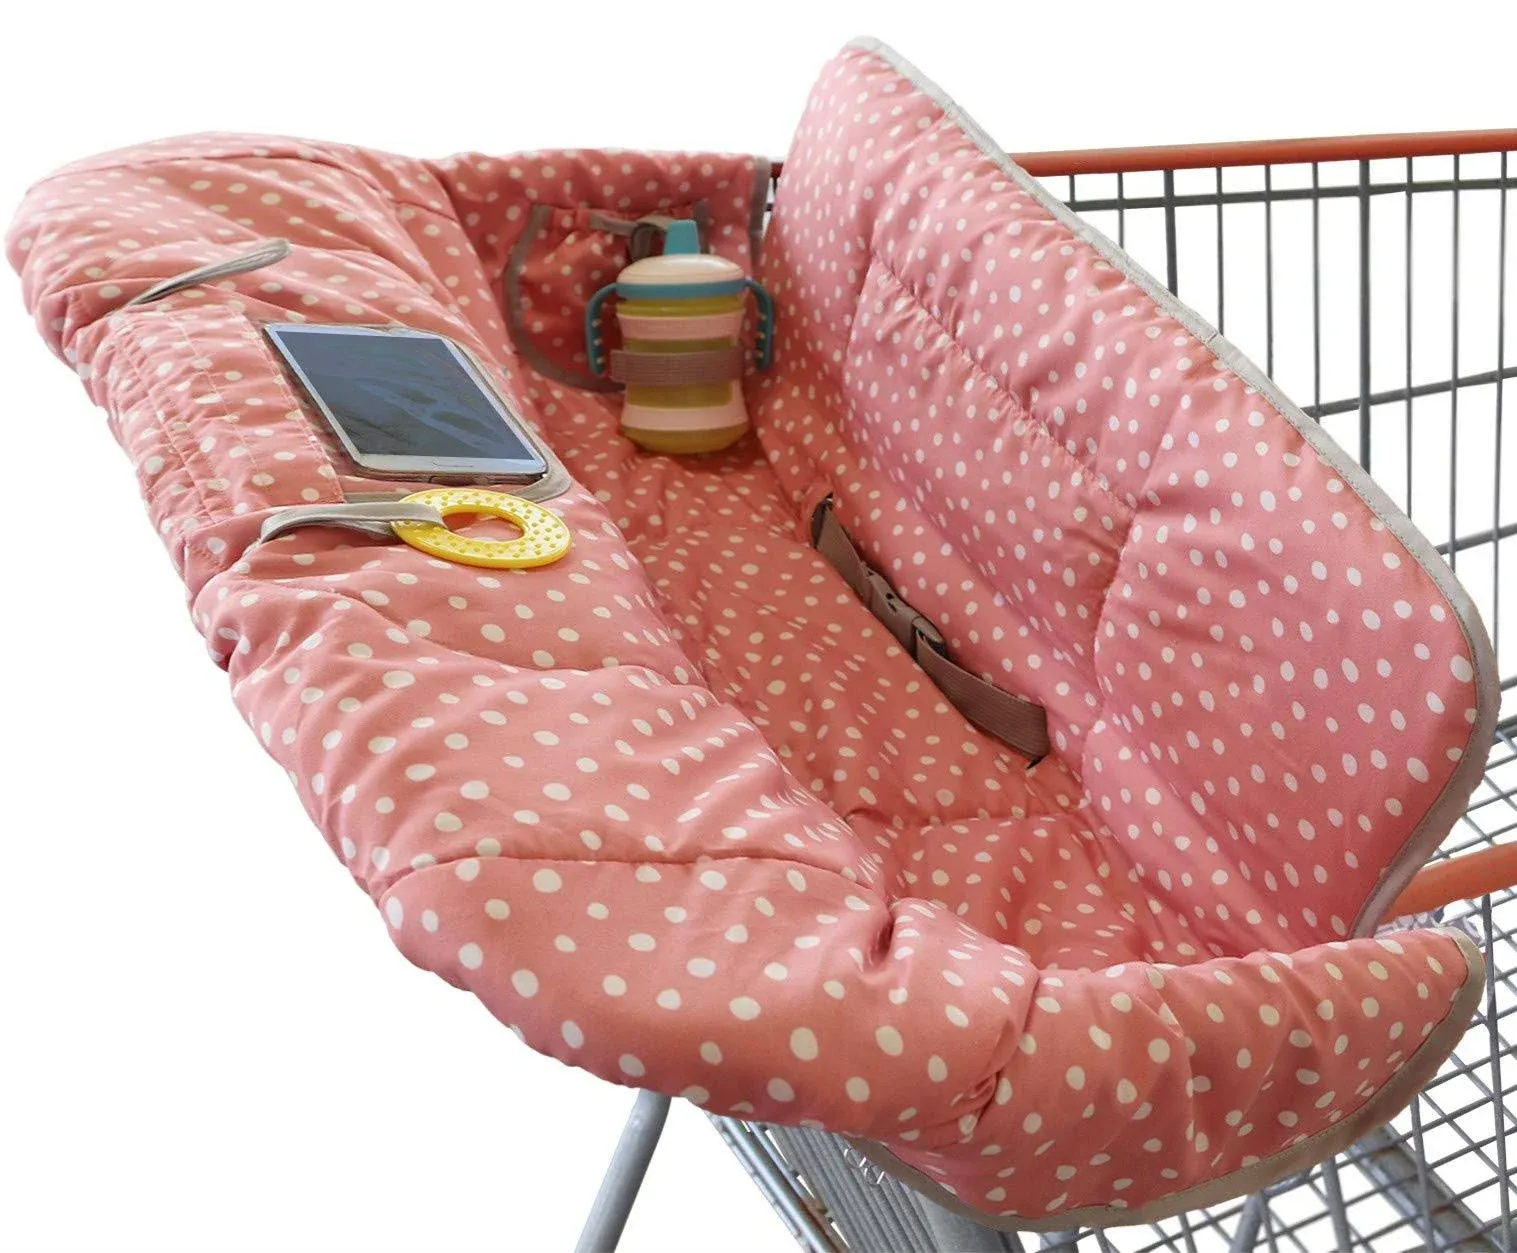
[[677, 809]]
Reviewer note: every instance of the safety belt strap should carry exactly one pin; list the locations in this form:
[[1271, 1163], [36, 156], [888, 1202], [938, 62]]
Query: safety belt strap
[[1018, 723]]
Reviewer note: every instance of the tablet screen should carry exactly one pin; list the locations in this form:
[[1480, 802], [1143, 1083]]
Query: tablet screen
[[401, 395]]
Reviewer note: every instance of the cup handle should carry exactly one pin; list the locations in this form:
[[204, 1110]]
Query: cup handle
[[763, 343], [595, 343]]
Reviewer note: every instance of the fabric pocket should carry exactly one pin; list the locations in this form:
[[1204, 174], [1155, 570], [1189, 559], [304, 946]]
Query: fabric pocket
[[215, 422], [561, 259]]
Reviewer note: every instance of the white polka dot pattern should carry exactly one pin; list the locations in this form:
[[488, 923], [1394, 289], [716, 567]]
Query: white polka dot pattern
[[676, 808]]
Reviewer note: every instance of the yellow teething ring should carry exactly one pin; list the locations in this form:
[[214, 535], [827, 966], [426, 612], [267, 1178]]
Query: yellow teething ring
[[544, 538]]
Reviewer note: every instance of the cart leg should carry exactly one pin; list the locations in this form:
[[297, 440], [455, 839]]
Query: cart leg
[[1247, 1235], [1334, 1189], [624, 1176], [777, 1180]]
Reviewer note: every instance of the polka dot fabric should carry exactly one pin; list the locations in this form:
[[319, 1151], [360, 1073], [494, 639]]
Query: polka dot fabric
[[677, 809]]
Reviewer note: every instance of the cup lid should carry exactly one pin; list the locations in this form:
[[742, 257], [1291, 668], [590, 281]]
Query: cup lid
[[680, 268]]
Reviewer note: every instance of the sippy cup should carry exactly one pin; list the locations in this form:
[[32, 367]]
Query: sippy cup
[[681, 317]]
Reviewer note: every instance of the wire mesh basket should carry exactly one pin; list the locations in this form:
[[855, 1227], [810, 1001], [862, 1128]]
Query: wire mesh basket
[[1370, 278]]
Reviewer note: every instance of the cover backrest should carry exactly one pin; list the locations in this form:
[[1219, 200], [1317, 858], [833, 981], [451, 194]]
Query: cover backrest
[[1269, 682]]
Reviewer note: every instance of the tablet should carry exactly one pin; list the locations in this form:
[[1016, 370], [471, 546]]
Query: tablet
[[408, 403]]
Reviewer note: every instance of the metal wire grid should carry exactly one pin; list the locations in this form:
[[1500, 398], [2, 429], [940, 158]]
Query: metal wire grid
[[1377, 291]]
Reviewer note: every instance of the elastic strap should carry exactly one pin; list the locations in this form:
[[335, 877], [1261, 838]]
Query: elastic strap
[[1020, 724], [663, 369]]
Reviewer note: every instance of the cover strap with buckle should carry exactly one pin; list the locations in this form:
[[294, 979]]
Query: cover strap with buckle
[[1020, 724]]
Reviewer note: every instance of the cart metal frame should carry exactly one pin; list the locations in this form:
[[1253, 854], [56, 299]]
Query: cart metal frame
[[1423, 218]]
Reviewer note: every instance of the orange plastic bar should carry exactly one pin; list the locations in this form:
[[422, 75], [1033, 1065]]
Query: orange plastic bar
[[1261, 152], [1458, 879], [1267, 152]]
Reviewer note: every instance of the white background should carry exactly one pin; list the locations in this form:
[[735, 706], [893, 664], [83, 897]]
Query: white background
[[206, 1049]]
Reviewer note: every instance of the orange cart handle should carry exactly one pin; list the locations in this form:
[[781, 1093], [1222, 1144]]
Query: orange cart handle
[[1458, 879], [1259, 152]]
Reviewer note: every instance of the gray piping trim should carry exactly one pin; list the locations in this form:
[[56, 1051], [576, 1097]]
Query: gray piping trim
[[268, 253], [1445, 811], [537, 221]]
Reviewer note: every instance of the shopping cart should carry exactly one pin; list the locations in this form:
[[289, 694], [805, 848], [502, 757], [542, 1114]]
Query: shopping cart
[[1370, 278]]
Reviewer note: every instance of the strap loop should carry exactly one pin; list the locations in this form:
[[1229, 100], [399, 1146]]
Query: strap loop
[[1020, 724], [640, 233], [370, 517], [268, 253]]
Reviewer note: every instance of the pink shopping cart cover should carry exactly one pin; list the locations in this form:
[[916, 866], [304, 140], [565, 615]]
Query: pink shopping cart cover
[[678, 809]]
